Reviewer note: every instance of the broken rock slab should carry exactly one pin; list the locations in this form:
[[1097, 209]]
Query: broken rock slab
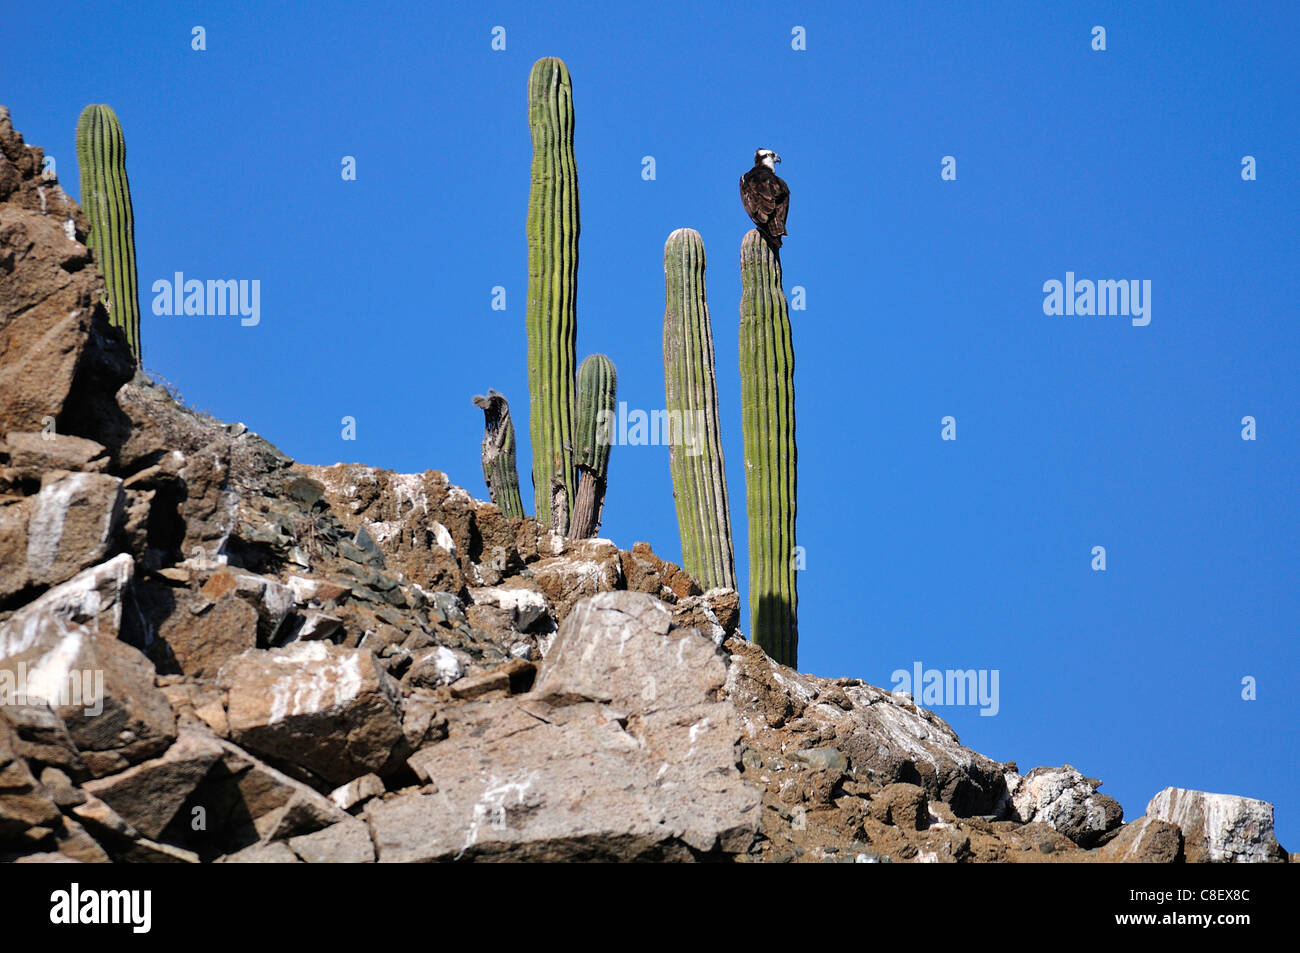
[[63, 648], [71, 524], [148, 795], [326, 708]]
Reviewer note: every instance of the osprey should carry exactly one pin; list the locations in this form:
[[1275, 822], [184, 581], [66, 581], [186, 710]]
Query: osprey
[[766, 197]]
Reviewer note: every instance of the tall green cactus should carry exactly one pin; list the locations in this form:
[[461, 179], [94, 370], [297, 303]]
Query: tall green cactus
[[552, 290], [767, 399], [106, 200], [499, 469], [597, 390], [691, 392]]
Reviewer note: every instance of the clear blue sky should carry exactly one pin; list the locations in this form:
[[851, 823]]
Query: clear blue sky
[[924, 299]]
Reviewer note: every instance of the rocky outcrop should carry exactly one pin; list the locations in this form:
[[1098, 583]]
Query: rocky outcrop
[[1219, 828], [55, 340], [211, 653]]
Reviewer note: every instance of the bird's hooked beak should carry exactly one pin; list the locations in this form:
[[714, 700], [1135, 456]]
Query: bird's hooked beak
[[776, 158]]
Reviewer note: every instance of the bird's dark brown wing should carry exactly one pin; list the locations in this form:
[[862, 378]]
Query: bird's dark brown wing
[[780, 206], [767, 201]]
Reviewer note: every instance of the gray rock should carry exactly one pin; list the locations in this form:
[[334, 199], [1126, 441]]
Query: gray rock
[[347, 842], [275, 853], [822, 759], [620, 752]]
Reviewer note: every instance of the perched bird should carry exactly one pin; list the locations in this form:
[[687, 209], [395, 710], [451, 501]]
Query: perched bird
[[766, 197]]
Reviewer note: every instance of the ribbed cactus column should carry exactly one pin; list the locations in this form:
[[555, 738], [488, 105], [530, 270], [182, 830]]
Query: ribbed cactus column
[[691, 393], [597, 390], [499, 468], [106, 201], [552, 289], [767, 399]]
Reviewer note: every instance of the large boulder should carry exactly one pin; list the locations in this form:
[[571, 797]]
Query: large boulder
[[63, 648], [323, 707], [622, 751], [1065, 801]]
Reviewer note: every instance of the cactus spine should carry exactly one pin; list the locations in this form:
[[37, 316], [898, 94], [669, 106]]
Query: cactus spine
[[691, 392], [106, 200], [597, 388], [767, 398], [499, 453], [552, 289]]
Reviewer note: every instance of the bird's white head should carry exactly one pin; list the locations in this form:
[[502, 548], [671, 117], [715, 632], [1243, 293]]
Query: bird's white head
[[766, 157]]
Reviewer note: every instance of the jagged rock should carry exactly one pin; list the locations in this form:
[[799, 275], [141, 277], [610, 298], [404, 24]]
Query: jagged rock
[[646, 572], [1066, 801], [201, 702], [347, 842], [75, 842], [274, 853], [39, 452], [1144, 841], [24, 802], [621, 751], [902, 805], [329, 709], [716, 613], [60, 789], [357, 791], [148, 795], [71, 523], [201, 635], [317, 626], [587, 567], [14, 515], [42, 738], [524, 606], [435, 666], [885, 737], [271, 803], [105, 822], [270, 599], [68, 637], [1219, 828]]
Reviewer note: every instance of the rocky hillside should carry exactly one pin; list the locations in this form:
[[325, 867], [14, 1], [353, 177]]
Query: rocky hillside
[[209, 652]]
